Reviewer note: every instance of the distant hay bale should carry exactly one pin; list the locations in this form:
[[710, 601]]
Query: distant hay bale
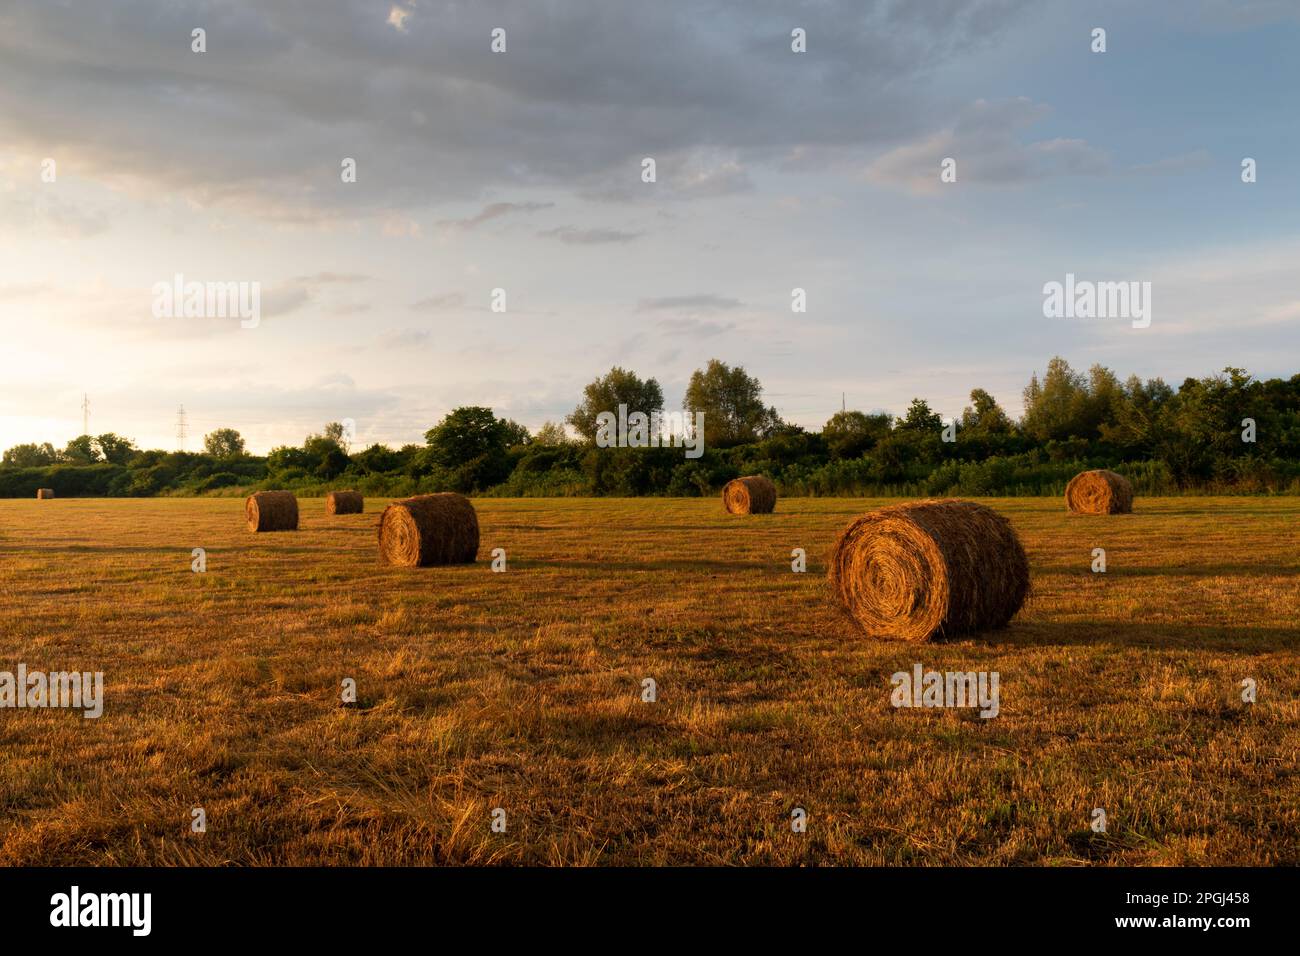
[[428, 529], [344, 503], [44, 493], [1099, 492], [754, 495], [929, 570], [272, 511]]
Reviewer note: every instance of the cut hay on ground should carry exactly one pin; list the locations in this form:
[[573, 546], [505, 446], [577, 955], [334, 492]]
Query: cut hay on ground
[[1099, 492], [344, 503], [43, 493], [272, 511], [754, 495], [428, 529], [929, 570]]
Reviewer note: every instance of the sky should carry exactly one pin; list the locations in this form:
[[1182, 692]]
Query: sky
[[522, 171]]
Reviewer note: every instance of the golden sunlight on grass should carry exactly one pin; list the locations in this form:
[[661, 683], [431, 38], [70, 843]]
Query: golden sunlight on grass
[[522, 691]]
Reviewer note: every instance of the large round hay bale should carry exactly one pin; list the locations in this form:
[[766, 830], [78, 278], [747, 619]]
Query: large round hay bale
[[344, 503], [753, 495], [428, 529], [929, 570], [271, 511], [44, 493], [1099, 492]]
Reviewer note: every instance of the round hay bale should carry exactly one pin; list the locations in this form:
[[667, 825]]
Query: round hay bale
[[271, 511], [428, 529], [344, 503], [44, 493], [929, 570], [753, 495], [1099, 492]]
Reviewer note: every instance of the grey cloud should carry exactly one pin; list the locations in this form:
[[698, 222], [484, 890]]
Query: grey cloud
[[572, 235], [446, 302], [705, 302], [695, 328], [42, 214], [284, 299], [403, 338], [288, 89], [332, 278], [494, 211], [986, 144]]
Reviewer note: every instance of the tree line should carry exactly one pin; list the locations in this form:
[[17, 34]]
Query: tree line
[[1226, 432]]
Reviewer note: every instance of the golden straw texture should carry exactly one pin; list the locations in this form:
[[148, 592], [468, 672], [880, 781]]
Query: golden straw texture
[[428, 529], [929, 570], [754, 495], [271, 511], [1099, 492], [344, 503]]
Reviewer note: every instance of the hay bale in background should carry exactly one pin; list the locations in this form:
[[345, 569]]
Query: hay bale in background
[[754, 495], [344, 503], [929, 569], [272, 511], [428, 529], [43, 493], [1099, 492]]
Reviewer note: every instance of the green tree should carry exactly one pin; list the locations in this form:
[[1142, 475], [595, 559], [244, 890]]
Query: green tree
[[851, 434], [984, 415], [224, 443], [515, 434], [732, 403], [114, 448], [337, 432], [81, 451], [470, 443], [1135, 429], [464, 434], [605, 394], [920, 418], [1052, 410], [378, 458], [31, 456], [551, 433]]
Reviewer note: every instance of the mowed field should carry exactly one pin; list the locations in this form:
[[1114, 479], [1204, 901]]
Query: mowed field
[[523, 691]]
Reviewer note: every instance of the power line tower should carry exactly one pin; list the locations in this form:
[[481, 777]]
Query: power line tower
[[180, 428], [85, 414]]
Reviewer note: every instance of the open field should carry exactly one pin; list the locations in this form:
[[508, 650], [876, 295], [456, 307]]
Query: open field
[[522, 691]]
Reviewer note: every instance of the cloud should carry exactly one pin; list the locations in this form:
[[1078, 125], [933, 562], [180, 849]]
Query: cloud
[[494, 211], [397, 18], [679, 176], [705, 302], [42, 214], [574, 236], [695, 328], [447, 302], [403, 338], [1196, 159], [284, 299], [586, 90], [986, 144], [332, 278]]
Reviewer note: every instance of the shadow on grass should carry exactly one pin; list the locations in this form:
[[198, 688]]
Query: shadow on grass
[[1236, 640], [1117, 570]]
